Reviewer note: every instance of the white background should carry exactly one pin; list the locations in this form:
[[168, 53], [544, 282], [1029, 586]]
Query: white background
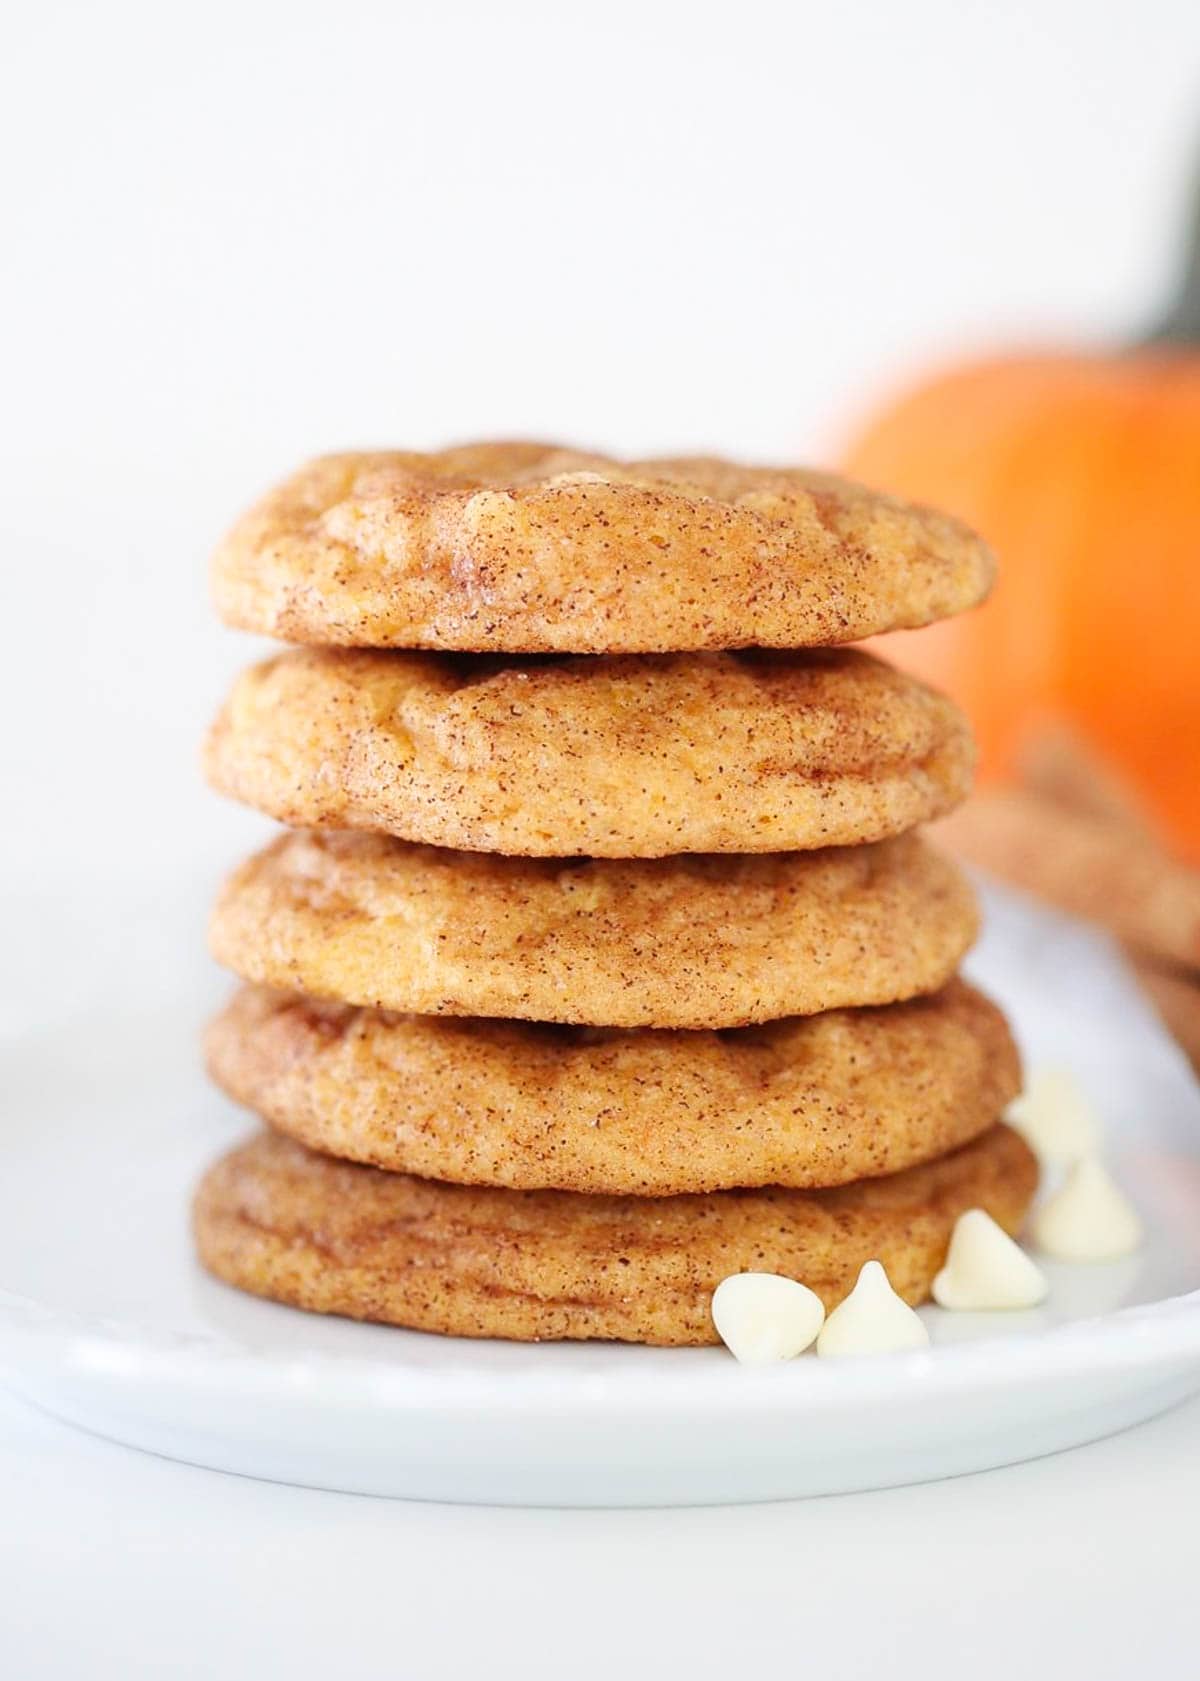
[[237, 234]]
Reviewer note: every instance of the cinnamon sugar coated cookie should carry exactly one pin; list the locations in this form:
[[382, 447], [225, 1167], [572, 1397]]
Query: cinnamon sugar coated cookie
[[809, 1101], [537, 549], [275, 1219], [601, 960], [709, 941], [631, 757]]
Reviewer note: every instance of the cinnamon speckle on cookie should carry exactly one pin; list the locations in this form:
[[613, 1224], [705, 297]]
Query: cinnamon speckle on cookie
[[534, 548], [280, 1221], [632, 757]]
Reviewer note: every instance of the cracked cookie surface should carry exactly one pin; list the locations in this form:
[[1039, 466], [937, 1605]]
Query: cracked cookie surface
[[807, 1102], [535, 548], [280, 1221], [696, 941], [633, 757]]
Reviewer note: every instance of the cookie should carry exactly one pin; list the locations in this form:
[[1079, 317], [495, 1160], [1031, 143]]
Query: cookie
[[634, 757], [712, 941], [529, 548], [808, 1101], [280, 1221]]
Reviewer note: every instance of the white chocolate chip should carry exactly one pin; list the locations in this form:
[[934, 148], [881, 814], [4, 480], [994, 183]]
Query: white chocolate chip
[[872, 1320], [1088, 1218], [985, 1269], [1054, 1117], [762, 1317]]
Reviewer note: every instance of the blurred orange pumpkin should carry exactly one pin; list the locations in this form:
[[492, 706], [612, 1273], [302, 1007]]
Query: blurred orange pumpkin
[[1083, 471]]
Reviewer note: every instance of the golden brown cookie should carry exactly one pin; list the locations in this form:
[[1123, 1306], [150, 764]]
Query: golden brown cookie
[[536, 549], [670, 942], [808, 1101], [635, 757], [275, 1219]]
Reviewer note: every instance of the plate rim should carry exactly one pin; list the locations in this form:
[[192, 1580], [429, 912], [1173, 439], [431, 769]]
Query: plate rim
[[1164, 1333]]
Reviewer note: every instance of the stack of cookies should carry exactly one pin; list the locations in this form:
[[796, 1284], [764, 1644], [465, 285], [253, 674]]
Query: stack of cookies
[[601, 959]]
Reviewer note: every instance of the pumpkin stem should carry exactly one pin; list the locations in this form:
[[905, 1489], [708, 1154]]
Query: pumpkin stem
[[1181, 324]]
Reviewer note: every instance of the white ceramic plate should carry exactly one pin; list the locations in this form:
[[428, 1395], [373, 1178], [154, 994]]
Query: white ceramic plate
[[106, 1321]]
